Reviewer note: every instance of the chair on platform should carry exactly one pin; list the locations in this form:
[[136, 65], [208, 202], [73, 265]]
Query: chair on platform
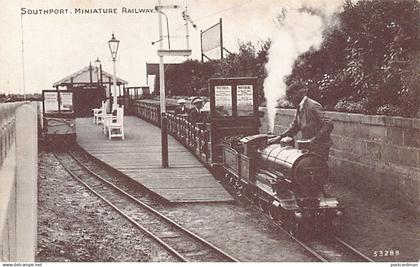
[[116, 126], [107, 119], [98, 113]]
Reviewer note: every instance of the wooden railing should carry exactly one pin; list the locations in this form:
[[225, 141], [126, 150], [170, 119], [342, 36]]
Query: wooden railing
[[195, 137], [192, 136], [148, 112]]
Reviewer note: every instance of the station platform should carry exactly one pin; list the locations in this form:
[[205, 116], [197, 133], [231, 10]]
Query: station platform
[[138, 156]]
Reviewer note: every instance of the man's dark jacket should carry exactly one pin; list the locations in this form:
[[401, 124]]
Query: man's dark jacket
[[310, 119]]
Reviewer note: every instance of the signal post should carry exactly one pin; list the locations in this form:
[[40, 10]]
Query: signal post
[[161, 53]]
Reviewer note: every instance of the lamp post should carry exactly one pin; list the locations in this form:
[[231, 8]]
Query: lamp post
[[164, 131], [113, 47], [97, 64]]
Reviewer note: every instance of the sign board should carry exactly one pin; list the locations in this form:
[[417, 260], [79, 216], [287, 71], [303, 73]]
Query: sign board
[[233, 111], [210, 38], [57, 101], [50, 102], [212, 42], [66, 101], [223, 100], [245, 100], [233, 97]]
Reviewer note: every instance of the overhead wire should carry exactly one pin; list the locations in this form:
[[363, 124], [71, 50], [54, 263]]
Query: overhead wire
[[216, 13], [224, 10]]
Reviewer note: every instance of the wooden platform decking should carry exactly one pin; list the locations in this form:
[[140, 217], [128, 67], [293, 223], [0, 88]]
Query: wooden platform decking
[[139, 157]]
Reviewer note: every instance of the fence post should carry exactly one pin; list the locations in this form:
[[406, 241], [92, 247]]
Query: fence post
[[26, 182]]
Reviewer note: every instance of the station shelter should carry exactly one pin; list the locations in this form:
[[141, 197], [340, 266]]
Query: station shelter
[[91, 85]]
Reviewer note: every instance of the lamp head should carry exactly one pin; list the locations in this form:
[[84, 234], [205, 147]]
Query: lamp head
[[113, 46], [97, 61]]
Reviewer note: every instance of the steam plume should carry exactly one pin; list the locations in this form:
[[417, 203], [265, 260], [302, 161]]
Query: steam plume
[[299, 28]]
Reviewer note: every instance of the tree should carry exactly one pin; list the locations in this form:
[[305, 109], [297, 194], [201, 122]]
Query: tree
[[191, 77], [366, 65]]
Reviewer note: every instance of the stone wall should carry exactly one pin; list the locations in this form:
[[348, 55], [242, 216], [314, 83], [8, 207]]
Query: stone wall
[[375, 154], [18, 181]]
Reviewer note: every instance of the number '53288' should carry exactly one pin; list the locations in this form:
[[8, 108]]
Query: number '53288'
[[386, 253]]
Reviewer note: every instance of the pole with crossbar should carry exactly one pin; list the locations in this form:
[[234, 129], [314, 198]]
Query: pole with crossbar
[[163, 119]]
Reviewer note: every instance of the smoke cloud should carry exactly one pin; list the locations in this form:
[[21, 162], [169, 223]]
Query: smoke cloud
[[298, 28]]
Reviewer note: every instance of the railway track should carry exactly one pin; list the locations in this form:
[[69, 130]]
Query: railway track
[[330, 248], [183, 244]]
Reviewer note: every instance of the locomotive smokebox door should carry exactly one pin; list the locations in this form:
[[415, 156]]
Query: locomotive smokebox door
[[233, 111]]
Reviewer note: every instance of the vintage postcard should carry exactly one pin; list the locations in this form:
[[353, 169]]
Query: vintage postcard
[[254, 131]]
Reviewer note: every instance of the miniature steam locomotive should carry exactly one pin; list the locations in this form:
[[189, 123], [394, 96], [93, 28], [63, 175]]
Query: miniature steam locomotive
[[286, 182]]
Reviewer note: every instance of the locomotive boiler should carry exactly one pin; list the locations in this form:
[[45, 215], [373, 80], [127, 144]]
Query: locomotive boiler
[[286, 182]]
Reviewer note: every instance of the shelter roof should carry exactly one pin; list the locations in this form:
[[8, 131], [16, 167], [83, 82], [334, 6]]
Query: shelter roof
[[83, 76]]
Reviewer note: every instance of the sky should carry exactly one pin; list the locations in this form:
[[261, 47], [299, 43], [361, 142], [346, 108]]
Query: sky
[[57, 45]]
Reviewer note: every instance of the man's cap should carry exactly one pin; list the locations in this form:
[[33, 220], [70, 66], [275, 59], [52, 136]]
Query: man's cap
[[206, 107], [181, 101], [196, 100]]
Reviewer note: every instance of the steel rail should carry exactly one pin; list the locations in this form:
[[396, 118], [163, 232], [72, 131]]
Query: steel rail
[[157, 213], [347, 245], [317, 255], [278, 225], [150, 234], [302, 244]]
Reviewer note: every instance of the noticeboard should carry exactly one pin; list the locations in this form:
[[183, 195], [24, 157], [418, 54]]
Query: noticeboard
[[66, 101], [57, 101], [233, 97], [50, 103], [223, 100], [245, 100]]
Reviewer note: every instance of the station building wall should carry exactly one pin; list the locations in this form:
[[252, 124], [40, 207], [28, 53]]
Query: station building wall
[[377, 155]]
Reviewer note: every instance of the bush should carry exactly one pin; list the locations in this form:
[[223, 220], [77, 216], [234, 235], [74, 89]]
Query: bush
[[191, 77], [203, 92], [390, 110], [352, 106], [373, 55], [284, 103]]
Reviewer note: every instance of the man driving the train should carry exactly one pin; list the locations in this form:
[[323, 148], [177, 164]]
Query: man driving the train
[[311, 121]]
